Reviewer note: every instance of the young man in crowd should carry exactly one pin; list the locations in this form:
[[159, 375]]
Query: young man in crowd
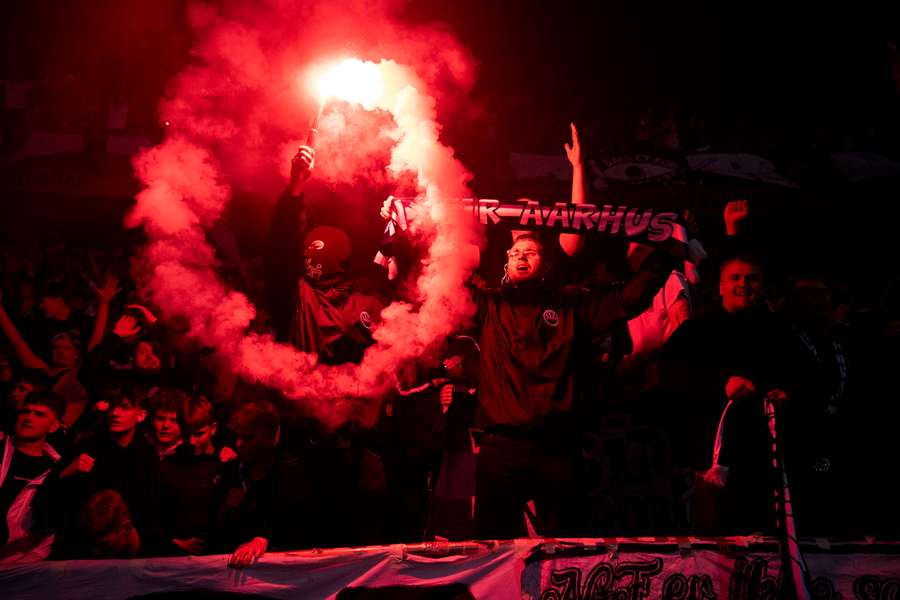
[[119, 458], [535, 361], [188, 478], [165, 427], [268, 499], [534, 356], [58, 317], [132, 350], [24, 381], [26, 460], [62, 368], [721, 366]]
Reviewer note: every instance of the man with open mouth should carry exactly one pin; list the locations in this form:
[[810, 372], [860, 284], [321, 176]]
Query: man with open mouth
[[535, 360]]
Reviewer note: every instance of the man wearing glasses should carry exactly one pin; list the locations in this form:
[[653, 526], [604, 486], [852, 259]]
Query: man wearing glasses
[[535, 342]]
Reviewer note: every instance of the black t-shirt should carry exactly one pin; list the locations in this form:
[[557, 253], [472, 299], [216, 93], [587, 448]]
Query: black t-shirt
[[22, 469]]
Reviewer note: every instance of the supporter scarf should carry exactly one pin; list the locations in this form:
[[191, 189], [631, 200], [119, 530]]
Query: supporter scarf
[[658, 228]]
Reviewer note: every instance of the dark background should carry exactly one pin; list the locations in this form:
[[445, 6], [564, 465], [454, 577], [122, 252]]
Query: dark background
[[800, 74], [785, 80]]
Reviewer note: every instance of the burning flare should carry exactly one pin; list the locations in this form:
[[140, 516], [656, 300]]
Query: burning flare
[[353, 81], [185, 192]]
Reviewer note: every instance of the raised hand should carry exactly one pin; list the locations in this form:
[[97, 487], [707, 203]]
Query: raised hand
[[736, 211], [108, 291], [301, 168], [573, 150], [571, 243], [385, 211], [739, 388], [126, 326]]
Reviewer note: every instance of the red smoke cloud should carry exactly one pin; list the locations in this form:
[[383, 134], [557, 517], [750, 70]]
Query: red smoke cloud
[[237, 114]]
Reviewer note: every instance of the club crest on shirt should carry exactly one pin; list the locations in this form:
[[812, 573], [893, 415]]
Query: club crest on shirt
[[551, 317], [365, 319]]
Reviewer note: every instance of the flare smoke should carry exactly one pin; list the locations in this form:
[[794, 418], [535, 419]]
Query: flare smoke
[[236, 117]]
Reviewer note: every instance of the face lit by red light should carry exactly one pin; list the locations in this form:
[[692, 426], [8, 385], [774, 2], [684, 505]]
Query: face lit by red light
[[35, 422], [524, 262], [166, 427], [144, 357], [124, 416], [200, 435], [64, 353], [741, 286]]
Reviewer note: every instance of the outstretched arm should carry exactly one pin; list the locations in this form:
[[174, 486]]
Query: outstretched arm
[[572, 243], [28, 358], [281, 259], [301, 169], [105, 295], [624, 302]]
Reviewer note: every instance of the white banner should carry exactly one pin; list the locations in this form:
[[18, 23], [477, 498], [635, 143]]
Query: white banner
[[736, 568]]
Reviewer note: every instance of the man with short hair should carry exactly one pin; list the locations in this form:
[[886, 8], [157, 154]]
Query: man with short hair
[[26, 460], [265, 499], [188, 478], [721, 366], [165, 427], [535, 358], [120, 459], [63, 367], [24, 382], [198, 419]]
